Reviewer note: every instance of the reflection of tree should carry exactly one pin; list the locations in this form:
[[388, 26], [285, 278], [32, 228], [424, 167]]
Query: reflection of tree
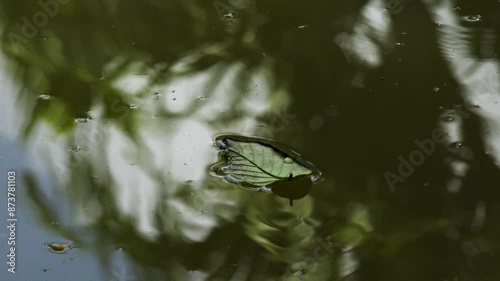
[[145, 116], [158, 79], [445, 197]]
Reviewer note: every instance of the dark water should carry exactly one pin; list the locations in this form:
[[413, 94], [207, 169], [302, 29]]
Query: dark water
[[109, 108]]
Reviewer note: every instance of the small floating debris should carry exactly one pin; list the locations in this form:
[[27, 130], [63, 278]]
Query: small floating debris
[[449, 118], [230, 15], [44, 96], [57, 248], [82, 119], [133, 106], [472, 18], [75, 148], [303, 26]]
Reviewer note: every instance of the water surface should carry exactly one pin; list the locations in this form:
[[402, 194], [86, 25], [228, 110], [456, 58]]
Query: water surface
[[109, 110]]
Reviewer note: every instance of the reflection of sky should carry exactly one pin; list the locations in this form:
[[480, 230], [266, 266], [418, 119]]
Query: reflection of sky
[[477, 72], [179, 149], [167, 156], [10, 117], [34, 261], [160, 171]]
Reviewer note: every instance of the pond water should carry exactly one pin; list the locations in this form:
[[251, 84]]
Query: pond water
[[109, 112]]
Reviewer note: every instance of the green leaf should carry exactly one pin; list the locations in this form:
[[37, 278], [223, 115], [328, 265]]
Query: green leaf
[[257, 162]]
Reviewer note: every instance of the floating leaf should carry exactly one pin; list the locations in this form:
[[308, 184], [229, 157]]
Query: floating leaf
[[58, 248], [260, 163]]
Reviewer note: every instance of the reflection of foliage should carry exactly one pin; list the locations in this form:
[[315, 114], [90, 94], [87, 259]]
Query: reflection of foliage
[[71, 66], [82, 55], [282, 230]]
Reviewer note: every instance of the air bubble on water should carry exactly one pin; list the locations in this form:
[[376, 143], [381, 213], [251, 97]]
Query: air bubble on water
[[82, 119], [44, 96], [400, 44], [299, 272], [230, 15], [75, 148], [288, 160], [472, 18]]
